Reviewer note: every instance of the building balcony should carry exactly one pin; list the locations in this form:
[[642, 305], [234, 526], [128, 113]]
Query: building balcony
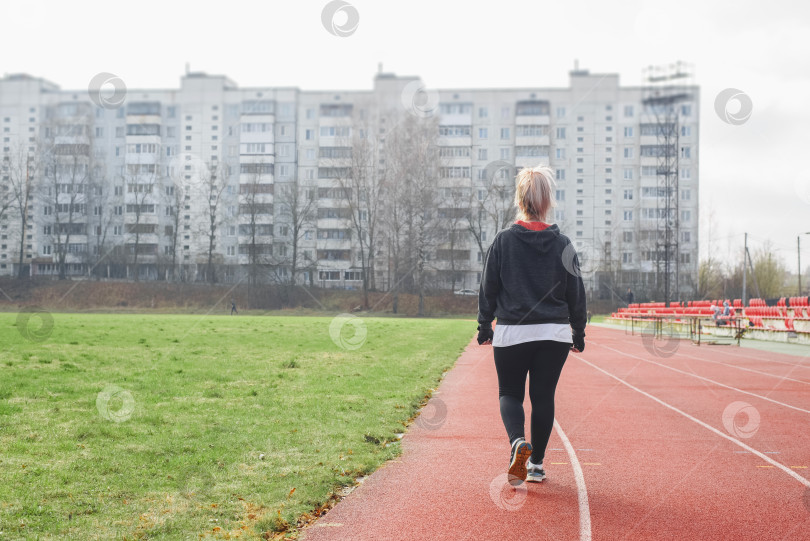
[[143, 238], [455, 119], [70, 140], [335, 244], [532, 141], [266, 137], [333, 223], [334, 162], [464, 182], [335, 121], [648, 140], [532, 120], [143, 119], [141, 158], [134, 139], [457, 161], [455, 141], [531, 161], [145, 219], [245, 156]]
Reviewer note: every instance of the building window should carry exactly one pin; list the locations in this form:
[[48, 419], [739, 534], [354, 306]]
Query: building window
[[628, 111], [628, 215], [561, 133], [482, 133]]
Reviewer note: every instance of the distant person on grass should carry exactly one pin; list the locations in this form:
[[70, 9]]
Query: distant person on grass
[[532, 284], [630, 296], [233, 307]]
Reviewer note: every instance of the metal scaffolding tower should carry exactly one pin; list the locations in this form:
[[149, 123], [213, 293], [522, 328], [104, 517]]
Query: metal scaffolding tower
[[666, 89]]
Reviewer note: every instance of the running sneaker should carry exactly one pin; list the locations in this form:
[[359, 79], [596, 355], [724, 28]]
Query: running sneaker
[[521, 451], [535, 472]]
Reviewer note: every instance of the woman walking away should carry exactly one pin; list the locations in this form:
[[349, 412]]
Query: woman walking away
[[533, 286]]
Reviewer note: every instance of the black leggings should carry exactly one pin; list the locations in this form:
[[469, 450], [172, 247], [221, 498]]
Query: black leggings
[[543, 361]]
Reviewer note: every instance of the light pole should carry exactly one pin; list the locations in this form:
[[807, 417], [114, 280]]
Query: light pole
[[799, 257]]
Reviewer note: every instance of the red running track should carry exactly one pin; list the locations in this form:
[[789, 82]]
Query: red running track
[[667, 441]]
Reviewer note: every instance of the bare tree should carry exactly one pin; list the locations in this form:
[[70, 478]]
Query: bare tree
[[296, 204], [711, 279], [453, 246], [393, 222], [182, 184], [6, 201], [770, 272], [140, 183], [100, 201], [67, 178], [361, 183], [417, 158], [172, 200], [23, 169], [212, 187], [255, 213], [492, 202]]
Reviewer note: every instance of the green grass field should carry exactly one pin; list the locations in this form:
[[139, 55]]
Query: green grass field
[[175, 427]]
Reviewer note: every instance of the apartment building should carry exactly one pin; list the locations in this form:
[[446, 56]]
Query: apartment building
[[212, 182]]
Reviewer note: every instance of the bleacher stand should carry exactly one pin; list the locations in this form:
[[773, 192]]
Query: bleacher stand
[[788, 320]]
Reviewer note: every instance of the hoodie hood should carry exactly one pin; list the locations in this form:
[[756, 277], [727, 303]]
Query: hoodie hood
[[540, 240]]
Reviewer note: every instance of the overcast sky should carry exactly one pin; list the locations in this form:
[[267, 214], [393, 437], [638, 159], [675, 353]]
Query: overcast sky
[[754, 176]]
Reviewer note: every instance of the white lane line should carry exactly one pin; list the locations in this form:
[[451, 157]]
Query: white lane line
[[751, 450], [704, 379], [582, 490], [798, 364], [738, 354], [781, 378]]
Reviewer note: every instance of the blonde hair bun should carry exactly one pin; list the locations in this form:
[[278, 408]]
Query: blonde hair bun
[[534, 193]]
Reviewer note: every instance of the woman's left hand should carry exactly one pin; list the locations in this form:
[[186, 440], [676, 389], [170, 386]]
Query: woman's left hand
[[485, 334]]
